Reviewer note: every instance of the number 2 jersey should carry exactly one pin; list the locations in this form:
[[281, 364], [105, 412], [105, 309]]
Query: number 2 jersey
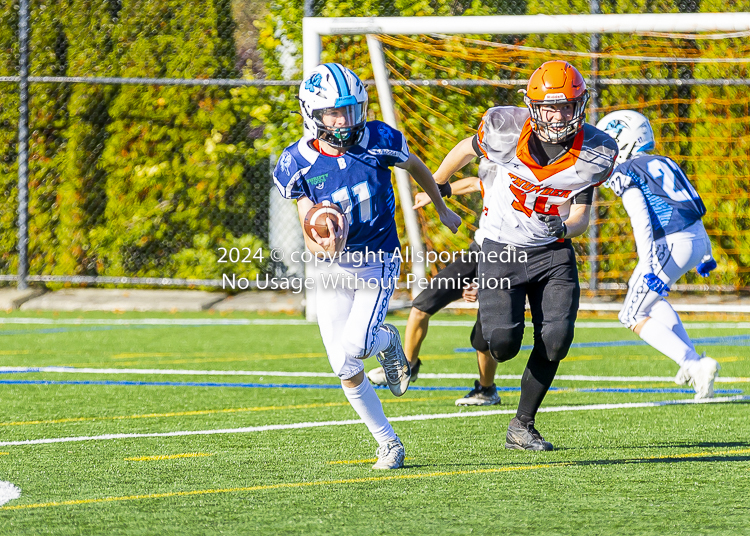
[[672, 203], [522, 188], [359, 182]]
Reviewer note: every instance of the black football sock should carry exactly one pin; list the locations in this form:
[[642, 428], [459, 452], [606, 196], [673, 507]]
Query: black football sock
[[535, 383]]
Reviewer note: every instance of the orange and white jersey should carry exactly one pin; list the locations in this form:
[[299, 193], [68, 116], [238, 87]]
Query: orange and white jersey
[[522, 188], [487, 172]]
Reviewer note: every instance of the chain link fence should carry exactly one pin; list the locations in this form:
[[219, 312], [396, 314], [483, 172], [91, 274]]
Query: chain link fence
[[153, 125]]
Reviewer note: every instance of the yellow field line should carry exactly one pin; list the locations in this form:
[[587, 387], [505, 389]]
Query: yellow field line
[[287, 485], [168, 457], [276, 486], [350, 481], [211, 411], [230, 355]]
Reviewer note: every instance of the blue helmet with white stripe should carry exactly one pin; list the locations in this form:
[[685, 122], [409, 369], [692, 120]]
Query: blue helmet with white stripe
[[333, 101]]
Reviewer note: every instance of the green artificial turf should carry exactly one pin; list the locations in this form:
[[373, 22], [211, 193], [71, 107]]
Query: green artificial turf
[[679, 469]]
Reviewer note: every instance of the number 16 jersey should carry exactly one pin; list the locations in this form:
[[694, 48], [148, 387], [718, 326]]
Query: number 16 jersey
[[522, 188]]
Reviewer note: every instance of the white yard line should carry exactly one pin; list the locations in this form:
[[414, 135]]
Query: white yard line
[[281, 373], [296, 322], [423, 417], [8, 492]]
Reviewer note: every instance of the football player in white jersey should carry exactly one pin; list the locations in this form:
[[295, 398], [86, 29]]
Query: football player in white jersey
[[451, 283], [665, 212], [549, 162], [345, 159]]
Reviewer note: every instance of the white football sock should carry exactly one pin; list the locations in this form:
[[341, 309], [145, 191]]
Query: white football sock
[[666, 315], [382, 340], [367, 405], [667, 342]]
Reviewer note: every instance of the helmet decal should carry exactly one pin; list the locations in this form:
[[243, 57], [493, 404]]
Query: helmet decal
[[313, 83], [615, 127], [631, 130]]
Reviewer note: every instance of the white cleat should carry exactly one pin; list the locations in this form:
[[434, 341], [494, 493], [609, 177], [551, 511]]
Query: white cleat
[[390, 455], [377, 375], [394, 363], [701, 375]]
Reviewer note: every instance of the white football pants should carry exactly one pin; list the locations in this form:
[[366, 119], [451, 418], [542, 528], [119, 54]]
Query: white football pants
[[352, 303], [677, 254]]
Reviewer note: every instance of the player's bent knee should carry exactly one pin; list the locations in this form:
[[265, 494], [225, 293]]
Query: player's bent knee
[[505, 343], [557, 338], [348, 372], [354, 350]]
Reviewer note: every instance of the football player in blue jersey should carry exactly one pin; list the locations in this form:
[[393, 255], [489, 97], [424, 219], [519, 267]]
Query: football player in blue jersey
[[345, 159], [665, 212]]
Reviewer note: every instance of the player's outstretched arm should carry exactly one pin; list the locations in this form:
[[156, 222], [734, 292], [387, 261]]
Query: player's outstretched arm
[[423, 177], [318, 244], [461, 187], [458, 157]]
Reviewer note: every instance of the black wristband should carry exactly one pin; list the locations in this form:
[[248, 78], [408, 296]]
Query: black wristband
[[565, 230], [445, 189]]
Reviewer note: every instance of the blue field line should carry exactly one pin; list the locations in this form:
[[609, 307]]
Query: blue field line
[[336, 386], [75, 330], [737, 340]]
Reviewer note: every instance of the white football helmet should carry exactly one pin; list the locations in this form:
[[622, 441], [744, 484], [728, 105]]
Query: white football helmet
[[332, 86], [631, 130]]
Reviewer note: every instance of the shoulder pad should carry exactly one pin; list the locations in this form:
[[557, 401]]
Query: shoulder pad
[[287, 174], [500, 130], [387, 142], [598, 154]]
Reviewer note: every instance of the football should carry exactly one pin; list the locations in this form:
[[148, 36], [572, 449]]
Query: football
[[317, 217]]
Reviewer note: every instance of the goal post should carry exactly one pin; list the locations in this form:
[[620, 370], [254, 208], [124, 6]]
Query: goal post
[[314, 28]]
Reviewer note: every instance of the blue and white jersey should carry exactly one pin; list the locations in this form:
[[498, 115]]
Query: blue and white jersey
[[673, 203], [359, 182]]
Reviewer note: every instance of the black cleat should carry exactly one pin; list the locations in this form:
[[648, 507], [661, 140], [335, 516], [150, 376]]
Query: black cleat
[[525, 437], [415, 370]]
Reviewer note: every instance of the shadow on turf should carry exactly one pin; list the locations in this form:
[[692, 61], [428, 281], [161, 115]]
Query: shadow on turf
[[676, 458], [733, 444], [627, 461], [665, 459]]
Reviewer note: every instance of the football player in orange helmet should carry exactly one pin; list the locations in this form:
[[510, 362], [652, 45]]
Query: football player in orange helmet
[[549, 162]]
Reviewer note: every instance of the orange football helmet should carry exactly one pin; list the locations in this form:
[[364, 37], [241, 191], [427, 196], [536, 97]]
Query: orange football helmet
[[556, 82]]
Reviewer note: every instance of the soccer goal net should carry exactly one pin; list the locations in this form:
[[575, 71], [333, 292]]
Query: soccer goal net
[[690, 77]]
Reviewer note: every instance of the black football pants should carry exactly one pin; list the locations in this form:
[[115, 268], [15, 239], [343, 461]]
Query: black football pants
[[549, 278]]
